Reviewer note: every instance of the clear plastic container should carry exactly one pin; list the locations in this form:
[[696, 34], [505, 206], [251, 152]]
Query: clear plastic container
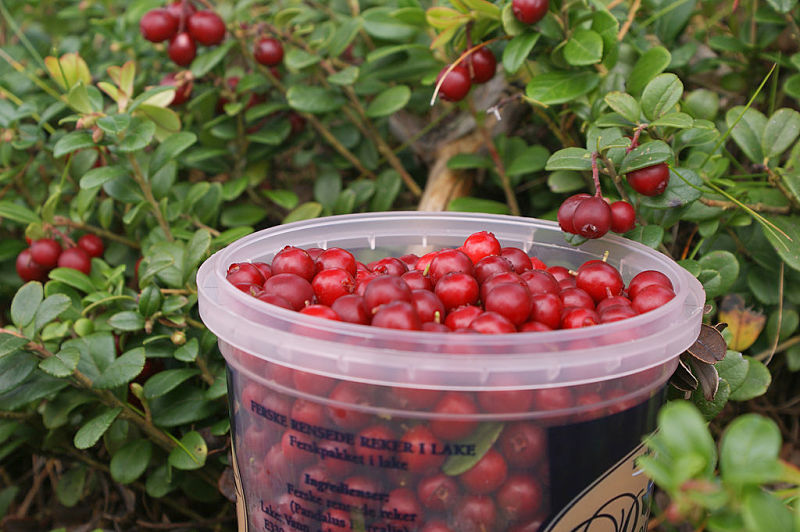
[[332, 422]]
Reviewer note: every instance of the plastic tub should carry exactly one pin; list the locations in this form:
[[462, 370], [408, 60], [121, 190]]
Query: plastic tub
[[332, 423]]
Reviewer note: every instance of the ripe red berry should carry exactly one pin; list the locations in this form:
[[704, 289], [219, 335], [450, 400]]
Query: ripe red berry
[[75, 258], [182, 49], [529, 11], [599, 279], [492, 323], [45, 252], [422, 440], [540, 282], [578, 317], [523, 444], [28, 269], [462, 317], [245, 273], [397, 315], [520, 261], [92, 244], [428, 306], [456, 289], [181, 9], [567, 210], [650, 180], [293, 288], [454, 404], [183, 88], [268, 51], [486, 475], [320, 311], [158, 25], [206, 27], [335, 258], [455, 84], [519, 498], [438, 492], [447, 261], [592, 218], [351, 308], [479, 245], [388, 266], [546, 309], [511, 300], [331, 284], [385, 289], [484, 65], [294, 260], [623, 217], [651, 297], [476, 513], [646, 278]]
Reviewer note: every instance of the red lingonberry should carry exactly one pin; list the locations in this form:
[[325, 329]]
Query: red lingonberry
[[428, 306], [576, 297], [486, 475], [28, 269], [294, 260], [448, 261], [455, 404], [245, 273], [350, 393], [75, 258], [546, 309], [438, 492], [529, 11], [520, 261], [417, 281], [519, 498], [45, 252], [206, 27], [158, 25], [623, 217], [401, 503], [483, 65], [388, 266], [182, 49], [540, 282], [523, 444], [385, 289], [397, 315], [599, 279], [293, 288], [651, 297], [320, 311], [183, 88], [566, 211], [646, 278], [611, 302], [351, 308], [181, 9], [511, 300], [462, 317], [475, 513], [479, 245], [492, 323], [454, 84], [578, 317], [650, 180], [421, 440], [456, 289], [616, 313], [331, 284], [592, 218], [335, 258], [498, 279], [268, 51], [534, 326]]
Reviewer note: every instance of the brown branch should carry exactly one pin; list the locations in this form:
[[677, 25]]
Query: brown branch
[[631, 15], [511, 199], [37, 484], [62, 220], [758, 207], [138, 176]]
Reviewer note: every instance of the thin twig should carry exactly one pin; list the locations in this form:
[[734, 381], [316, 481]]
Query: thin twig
[[62, 220], [631, 15], [758, 207], [138, 176]]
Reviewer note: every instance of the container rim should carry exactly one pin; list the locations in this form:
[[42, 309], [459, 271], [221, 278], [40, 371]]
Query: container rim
[[410, 358]]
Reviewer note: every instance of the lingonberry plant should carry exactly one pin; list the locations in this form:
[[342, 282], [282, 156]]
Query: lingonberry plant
[[138, 138]]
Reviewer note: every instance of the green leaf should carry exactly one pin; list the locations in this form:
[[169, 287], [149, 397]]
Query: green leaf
[[191, 454], [18, 213], [661, 95], [748, 131], [482, 439], [170, 148], [782, 6], [648, 154], [245, 214], [69, 489], [165, 381], [468, 204], [130, 462], [114, 124], [710, 409], [10, 343], [585, 47], [127, 320], [624, 104], [702, 104], [51, 308], [184, 405], [379, 23], [160, 481], [565, 181], [787, 248], [649, 235], [62, 364], [76, 140], [570, 159], [14, 369], [389, 184], [188, 352], [607, 26], [198, 246], [344, 77], [305, 211], [122, 370], [98, 176], [684, 433], [675, 119], [748, 452], [755, 383], [203, 63], [518, 50], [726, 267], [762, 511], [327, 188], [653, 62], [561, 87], [682, 189], [297, 59], [733, 369], [25, 303], [138, 136], [313, 99], [780, 132], [465, 161], [532, 159], [73, 278], [93, 430], [282, 197], [389, 101], [344, 36]]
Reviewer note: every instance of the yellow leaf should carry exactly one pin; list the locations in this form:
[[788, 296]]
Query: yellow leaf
[[744, 324], [68, 70]]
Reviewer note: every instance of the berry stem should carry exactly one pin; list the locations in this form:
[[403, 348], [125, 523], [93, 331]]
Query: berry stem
[[464, 54], [62, 220], [596, 175], [144, 184], [635, 140], [184, 11]]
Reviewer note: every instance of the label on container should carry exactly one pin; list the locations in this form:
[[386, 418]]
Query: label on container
[[615, 502]]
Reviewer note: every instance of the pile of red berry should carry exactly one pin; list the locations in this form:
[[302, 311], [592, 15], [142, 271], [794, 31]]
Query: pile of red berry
[[44, 254], [592, 216], [183, 26], [480, 287], [478, 67]]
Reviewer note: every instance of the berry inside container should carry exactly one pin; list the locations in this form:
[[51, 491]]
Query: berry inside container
[[339, 426]]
